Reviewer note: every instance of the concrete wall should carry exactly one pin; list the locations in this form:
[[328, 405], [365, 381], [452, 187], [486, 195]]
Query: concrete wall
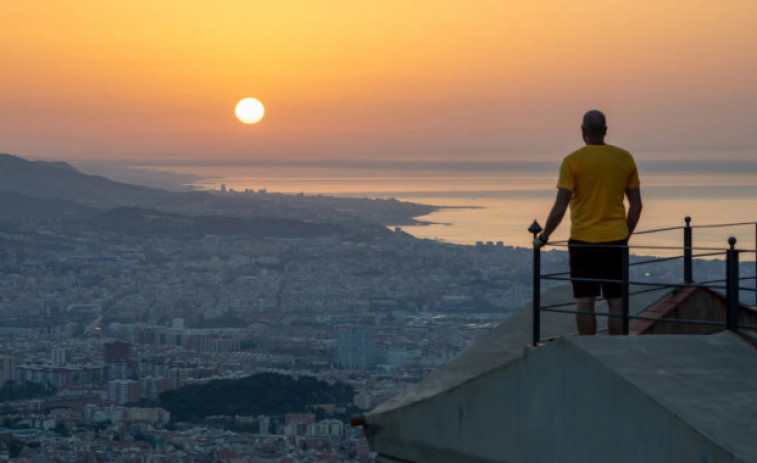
[[557, 404]]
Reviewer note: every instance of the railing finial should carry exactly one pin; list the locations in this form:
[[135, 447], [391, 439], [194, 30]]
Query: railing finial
[[732, 241], [535, 228]]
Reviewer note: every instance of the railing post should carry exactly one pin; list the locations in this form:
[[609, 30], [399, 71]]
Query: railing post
[[732, 286], [535, 229], [626, 301], [687, 255]]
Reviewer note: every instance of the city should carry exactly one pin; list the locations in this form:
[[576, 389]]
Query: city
[[104, 318]]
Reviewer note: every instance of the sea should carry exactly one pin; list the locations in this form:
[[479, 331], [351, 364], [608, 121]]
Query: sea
[[497, 198]]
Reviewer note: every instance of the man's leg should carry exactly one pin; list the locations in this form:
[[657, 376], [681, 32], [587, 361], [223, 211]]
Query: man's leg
[[587, 324], [613, 292], [615, 307]]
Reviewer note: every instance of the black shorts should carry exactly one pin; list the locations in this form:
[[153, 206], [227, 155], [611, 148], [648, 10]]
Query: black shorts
[[596, 260]]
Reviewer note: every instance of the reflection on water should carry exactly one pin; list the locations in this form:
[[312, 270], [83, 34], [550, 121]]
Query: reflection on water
[[509, 196]]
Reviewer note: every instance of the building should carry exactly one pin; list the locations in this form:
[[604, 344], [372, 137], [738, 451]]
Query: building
[[118, 370], [57, 377], [116, 352], [123, 391], [7, 368], [178, 377], [151, 387], [58, 357], [356, 347]]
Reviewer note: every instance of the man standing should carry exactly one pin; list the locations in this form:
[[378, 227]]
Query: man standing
[[593, 181]]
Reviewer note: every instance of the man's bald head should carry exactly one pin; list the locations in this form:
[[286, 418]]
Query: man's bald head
[[594, 124]]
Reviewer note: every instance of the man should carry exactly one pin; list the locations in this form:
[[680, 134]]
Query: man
[[593, 181]]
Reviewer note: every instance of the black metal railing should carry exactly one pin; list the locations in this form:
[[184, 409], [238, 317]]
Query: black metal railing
[[730, 285]]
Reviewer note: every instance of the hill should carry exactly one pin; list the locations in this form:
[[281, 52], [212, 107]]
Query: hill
[[261, 394], [17, 206], [61, 181]]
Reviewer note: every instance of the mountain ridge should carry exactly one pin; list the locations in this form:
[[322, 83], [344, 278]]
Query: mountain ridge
[[56, 190]]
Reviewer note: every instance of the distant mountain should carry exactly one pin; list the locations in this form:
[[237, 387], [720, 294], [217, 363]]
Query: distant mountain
[[15, 206], [58, 165], [167, 180], [61, 181]]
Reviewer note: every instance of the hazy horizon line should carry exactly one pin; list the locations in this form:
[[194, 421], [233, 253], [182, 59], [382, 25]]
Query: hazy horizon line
[[649, 166]]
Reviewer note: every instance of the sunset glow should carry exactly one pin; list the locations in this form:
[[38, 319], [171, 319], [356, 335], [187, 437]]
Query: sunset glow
[[391, 78], [344, 231]]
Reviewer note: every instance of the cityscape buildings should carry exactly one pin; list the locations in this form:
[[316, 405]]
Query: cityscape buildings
[[356, 347]]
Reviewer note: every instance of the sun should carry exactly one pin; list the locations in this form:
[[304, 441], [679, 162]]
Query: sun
[[249, 111]]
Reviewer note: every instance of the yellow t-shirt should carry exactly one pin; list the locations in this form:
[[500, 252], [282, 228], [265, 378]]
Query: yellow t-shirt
[[598, 176]]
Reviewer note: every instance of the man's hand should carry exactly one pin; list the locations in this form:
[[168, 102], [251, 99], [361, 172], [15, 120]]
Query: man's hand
[[562, 200]]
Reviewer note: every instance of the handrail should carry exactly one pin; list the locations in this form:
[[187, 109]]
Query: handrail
[[730, 284], [717, 225], [656, 230], [722, 225], [636, 317], [656, 287], [647, 246]]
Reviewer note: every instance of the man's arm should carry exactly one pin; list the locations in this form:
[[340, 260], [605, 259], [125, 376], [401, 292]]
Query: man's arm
[[555, 215], [634, 208]]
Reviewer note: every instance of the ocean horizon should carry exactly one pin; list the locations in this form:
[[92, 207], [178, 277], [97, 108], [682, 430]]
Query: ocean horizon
[[496, 200]]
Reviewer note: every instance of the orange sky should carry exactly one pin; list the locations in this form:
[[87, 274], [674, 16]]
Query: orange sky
[[400, 79]]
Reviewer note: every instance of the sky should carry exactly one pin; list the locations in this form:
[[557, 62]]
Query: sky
[[362, 80]]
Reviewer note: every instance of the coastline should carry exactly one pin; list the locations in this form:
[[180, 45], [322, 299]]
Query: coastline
[[493, 201], [393, 212]]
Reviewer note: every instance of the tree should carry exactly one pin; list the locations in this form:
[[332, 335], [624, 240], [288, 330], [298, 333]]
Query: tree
[[60, 429], [261, 394], [15, 447], [13, 390]]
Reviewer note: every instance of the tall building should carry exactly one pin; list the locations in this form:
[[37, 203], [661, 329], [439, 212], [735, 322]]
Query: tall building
[[116, 352], [177, 377], [123, 391], [151, 387], [58, 357], [116, 355], [356, 347], [264, 425], [118, 370], [7, 369]]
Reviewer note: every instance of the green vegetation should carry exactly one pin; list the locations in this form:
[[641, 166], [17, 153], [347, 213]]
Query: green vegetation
[[60, 429], [13, 390], [15, 447], [261, 394]]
